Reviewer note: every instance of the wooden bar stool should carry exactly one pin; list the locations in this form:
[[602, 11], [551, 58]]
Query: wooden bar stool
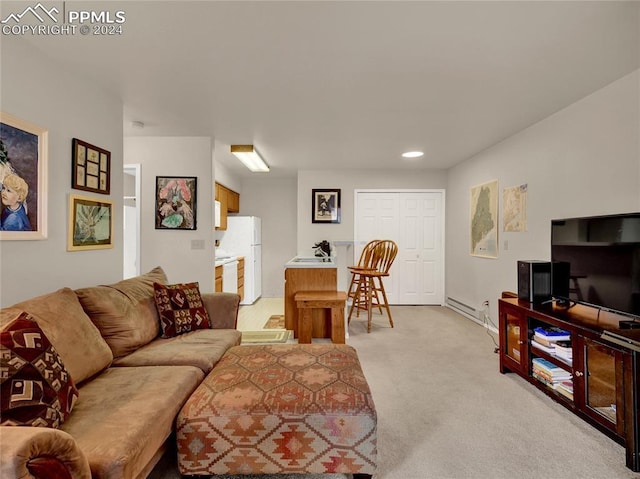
[[365, 263], [371, 285], [307, 301]]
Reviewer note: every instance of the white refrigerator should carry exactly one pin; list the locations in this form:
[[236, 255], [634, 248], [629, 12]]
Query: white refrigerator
[[243, 238]]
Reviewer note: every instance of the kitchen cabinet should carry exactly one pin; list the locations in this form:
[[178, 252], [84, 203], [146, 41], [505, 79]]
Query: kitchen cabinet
[[229, 203], [233, 201], [218, 279], [241, 278]]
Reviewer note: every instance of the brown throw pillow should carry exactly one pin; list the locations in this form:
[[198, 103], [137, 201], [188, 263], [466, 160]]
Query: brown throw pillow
[[35, 387], [180, 308]]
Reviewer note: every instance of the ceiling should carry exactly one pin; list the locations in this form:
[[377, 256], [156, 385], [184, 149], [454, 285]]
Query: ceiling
[[334, 85]]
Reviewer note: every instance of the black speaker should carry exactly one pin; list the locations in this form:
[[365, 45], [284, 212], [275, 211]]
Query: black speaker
[[534, 281]]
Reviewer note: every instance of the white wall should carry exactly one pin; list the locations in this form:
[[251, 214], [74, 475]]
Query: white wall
[[284, 204], [584, 160], [222, 174], [348, 181], [40, 91], [171, 249], [273, 200]]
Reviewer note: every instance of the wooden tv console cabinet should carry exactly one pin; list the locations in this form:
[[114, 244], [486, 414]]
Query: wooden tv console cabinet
[[604, 369]]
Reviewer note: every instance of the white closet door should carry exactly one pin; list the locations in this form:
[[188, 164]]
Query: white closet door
[[419, 262], [378, 218], [414, 220]]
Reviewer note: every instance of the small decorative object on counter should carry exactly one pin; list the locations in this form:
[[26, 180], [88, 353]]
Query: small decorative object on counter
[[322, 248]]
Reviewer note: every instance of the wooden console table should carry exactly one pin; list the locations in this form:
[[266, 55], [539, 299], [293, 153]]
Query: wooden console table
[[601, 359], [308, 279]]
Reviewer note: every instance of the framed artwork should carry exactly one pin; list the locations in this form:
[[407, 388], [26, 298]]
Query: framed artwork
[[325, 206], [23, 179], [514, 208], [91, 168], [90, 223], [176, 202], [484, 220]]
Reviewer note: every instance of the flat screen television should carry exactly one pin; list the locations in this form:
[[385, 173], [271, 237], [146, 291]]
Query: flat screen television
[[603, 257]]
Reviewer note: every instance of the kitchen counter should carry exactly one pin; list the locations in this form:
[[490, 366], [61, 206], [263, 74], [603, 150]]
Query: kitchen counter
[[225, 260], [311, 262]]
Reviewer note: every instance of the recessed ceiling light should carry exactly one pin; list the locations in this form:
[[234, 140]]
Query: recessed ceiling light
[[413, 154]]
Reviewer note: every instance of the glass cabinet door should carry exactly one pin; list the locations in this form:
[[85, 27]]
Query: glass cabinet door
[[513, 335], [600, 381]]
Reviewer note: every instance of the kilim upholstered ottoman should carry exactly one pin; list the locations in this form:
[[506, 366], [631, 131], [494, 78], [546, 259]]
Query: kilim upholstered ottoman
[[278, 409]]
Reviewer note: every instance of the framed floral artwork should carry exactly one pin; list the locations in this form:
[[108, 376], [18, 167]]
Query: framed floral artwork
[[90, 223], [176, 198], [23, 179]]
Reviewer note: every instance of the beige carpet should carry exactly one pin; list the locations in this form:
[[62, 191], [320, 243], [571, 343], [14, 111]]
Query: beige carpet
[[445, 411]]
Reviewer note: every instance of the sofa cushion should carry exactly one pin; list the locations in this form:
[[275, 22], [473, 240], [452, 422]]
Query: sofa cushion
[[62, 319], [35, 387], [124, 312], [181, 309], [202, 348], [124, 415]]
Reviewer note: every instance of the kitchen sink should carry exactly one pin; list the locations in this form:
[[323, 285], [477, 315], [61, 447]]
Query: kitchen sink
[[311, 260]]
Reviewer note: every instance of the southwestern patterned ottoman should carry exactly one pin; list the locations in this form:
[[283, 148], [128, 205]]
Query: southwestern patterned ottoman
[[278, 409]]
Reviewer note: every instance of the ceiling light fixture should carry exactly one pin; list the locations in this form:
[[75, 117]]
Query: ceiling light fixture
[[248, 155], [413, 154]]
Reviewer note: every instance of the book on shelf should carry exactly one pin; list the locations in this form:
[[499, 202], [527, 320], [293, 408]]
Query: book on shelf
[[564, 351], [552, 333], [564, 346], [547, 349], [547, 367], [565, 391], [553, 378], [567, 360], [544, 341], [567, 385], [542, 379]]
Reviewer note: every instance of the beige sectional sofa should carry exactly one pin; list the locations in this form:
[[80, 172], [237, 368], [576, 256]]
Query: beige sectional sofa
[[131, 382]]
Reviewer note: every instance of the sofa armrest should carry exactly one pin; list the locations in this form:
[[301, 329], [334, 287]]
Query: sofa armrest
[[222, 309], [42, 453]]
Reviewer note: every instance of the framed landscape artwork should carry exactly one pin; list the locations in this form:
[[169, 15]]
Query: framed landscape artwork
[[23, 177], [90, 223], [176, 198], [325, 206], [91, 168]]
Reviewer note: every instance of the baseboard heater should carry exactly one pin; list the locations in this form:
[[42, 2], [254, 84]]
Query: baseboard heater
[[464, 309], [472, 313]]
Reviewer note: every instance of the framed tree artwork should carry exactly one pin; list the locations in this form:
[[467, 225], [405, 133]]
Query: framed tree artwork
[[90, 223], [325, 206], [176, 198], [23, 178]]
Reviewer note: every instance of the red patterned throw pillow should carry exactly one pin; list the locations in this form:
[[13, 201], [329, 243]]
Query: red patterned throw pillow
[[35, 387], [180, 308]]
